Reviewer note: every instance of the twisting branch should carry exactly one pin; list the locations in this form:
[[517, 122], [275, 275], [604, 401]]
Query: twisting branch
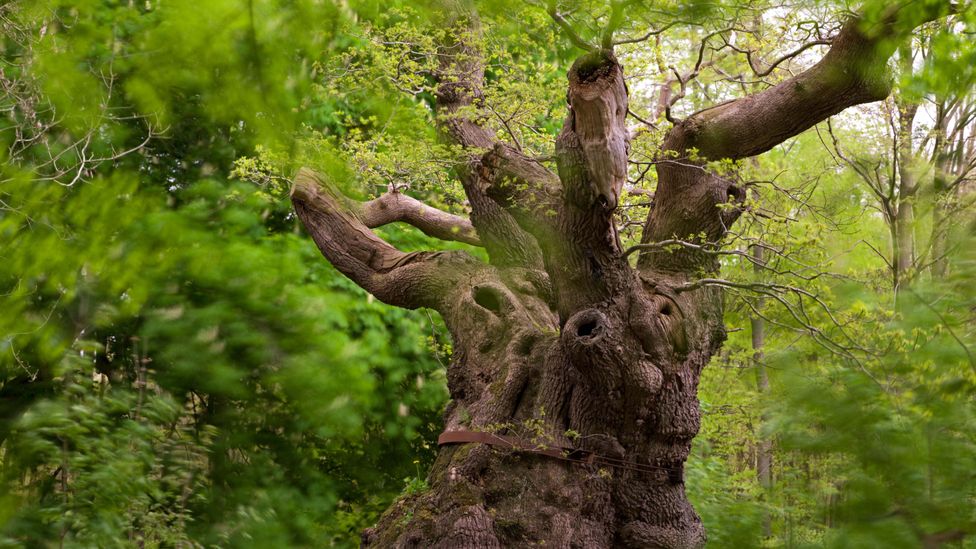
[[880, 185], [32, 139], [395, 206], [817, 335], [798, 311], [760, 73], [460, 113], [854, 71], [410, 280], [810, 273], [650, 33], [767, 289], [666, 99]]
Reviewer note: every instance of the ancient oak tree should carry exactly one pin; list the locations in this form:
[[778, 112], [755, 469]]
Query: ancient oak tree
[[559, 341]]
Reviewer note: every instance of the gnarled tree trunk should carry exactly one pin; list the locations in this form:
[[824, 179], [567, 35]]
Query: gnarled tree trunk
[[559, 342]]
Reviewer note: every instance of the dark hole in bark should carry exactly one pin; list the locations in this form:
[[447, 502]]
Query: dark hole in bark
[[733, 192], [590, 328], [592, 66], [488, 298], [510, 530], [666, 309], [525, 345]]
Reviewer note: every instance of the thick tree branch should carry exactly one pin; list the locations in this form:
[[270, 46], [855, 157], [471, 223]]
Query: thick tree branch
[[691, 203], [592, 148], [411, 280], [461, 75], [518, 182], [591, 152], [853, 71], [396, 206], [506, 242], [460, 116]]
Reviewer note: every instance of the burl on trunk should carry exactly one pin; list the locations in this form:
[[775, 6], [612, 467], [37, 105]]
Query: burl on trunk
[[559, 342]]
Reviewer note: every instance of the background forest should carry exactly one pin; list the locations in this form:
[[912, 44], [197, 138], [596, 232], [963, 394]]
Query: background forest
[[179, 367]]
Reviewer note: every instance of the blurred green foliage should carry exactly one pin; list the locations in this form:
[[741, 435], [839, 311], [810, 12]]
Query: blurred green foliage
[[870, 410], [178, 365], [200, 362]]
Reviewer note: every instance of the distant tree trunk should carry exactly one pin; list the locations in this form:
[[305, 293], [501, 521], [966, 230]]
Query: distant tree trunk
[[941, 196], [954, 160], [764, 447], [559, 342], [903, 244], [939, 235]]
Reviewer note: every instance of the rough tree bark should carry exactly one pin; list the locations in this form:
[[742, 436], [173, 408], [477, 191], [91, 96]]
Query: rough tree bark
[[559, 340]]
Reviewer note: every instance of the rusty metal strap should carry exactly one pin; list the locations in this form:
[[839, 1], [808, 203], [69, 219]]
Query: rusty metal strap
[[515, 443], [673, 472]]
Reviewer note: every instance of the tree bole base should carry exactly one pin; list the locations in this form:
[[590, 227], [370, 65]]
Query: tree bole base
[[617, 379], [521, 500]]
